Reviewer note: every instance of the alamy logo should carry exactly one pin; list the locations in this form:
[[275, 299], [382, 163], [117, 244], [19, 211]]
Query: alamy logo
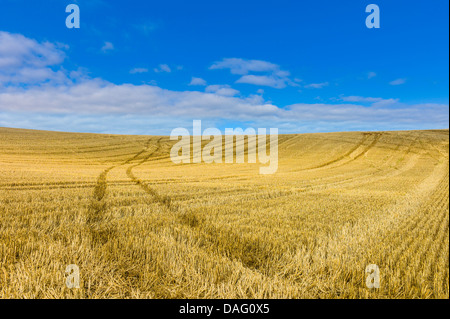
[[73, 276], [373, 19], [373, 279], [212, 152], [73, 19]]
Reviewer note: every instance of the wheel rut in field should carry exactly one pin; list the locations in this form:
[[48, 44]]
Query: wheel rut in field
[[96, 219], [163, 200], [359, 180], [100, 187], [255, 255], [347, 157], [371, 145]]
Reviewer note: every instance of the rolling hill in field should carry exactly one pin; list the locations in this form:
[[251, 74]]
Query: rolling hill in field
[[140, 226]]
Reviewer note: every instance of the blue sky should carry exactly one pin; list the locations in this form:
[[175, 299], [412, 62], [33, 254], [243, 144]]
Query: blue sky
[[146, 67]]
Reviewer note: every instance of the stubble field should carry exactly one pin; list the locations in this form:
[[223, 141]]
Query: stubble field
[[139, 226]]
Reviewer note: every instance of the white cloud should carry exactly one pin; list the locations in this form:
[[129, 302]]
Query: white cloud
[[374, 101], [96, 98], [273, 76], [397, 82], [380, 117], [101, 97], [108, 107], [197, 81], [316, 85], [241, 66], [26, 61], [17, 50], [371, 75], [360, 99], [107, 46], [138, 70], [263, 80], [224, 90], [162, 68]]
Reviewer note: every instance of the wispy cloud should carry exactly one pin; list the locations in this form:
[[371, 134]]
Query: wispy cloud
[[371, 75], [197, 81], [162, 68], [242, 66], [316, 85], [263, 80], [374, 101], [107, 46], [397, 82], [138, 70], [268, 74]]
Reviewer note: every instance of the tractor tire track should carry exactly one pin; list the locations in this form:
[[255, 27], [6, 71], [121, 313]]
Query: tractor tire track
[[248, 256], [358, 180], [97, 222], [349, 153], [100, 187], [163, 200]]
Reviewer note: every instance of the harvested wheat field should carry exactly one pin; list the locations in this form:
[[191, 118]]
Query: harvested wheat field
[[140, 226]]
